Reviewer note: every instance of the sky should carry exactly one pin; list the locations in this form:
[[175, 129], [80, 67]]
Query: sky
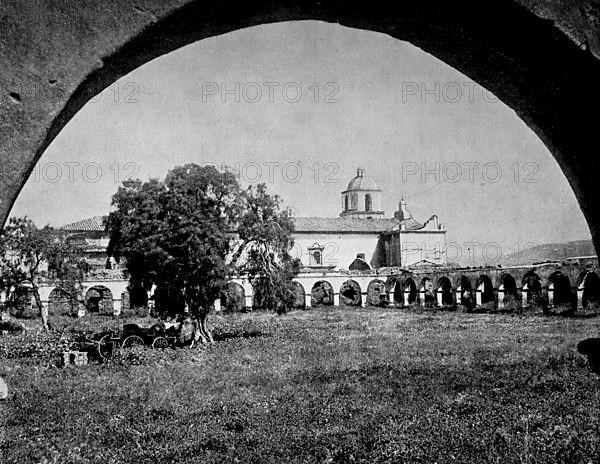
[[301, 105]]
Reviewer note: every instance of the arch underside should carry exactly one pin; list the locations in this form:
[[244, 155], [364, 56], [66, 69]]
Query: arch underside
[[527, 62]]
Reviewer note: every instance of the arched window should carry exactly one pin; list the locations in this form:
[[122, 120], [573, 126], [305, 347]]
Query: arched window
[[346, 203], [315, 255], [368, 202]]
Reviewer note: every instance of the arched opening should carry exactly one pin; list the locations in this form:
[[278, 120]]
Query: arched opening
[[368, 202], [346, 203], [60, 303], [562, 294], [444, 288], [259, 300], [299, 295], [99, 299], [427, 292], [510, 299], [398, 293], [485, 293], [591, 291], [233, 298], [322, 294], [350, 293], [22, 303], [377, 293], [411, 292], [493, 54], [464, 293], [393, 285], [523, 58], [532, 290]]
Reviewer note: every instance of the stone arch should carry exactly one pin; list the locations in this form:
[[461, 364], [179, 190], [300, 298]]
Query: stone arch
[[466, 292], [233, 298], [532, 288], [99, 299], [562, 292], [411, 291], [398, 293], [485, 290], [444, 288], [510, 300], [427, 291], [394, 287], [493, 54], [350, 293], [591, 290], [61, 303], [377, 293], [299, 295], [321, 294], [23, 302]]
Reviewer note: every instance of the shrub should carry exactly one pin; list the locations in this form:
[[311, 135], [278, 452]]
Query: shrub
[[12, 326]]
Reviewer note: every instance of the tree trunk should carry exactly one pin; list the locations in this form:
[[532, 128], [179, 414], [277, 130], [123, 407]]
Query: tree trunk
[[203, 325], [198, 333], [43, 310]]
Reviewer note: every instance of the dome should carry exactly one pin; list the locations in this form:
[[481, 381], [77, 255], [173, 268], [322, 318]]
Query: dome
[[362, 182]]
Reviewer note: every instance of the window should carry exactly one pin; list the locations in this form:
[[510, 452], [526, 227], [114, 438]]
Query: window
[[346, 203], [315, 255], [368, 202]]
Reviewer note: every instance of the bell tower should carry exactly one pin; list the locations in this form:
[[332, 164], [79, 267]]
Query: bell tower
[[362, 198]]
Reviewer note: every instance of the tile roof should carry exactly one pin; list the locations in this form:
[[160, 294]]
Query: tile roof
[[92, 224], [302, 224], [343, 224]]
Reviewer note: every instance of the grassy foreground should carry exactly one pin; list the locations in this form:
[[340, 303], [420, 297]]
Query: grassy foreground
[[322, 386]]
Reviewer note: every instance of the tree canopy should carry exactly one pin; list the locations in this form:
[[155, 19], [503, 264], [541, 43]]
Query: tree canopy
[[265, 236], [187, 235], [27, 253]]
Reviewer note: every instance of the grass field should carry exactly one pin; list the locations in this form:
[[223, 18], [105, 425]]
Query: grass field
[[323, 386]]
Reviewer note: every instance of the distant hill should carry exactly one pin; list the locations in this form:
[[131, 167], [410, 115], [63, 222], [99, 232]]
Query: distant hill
[[550, 252]]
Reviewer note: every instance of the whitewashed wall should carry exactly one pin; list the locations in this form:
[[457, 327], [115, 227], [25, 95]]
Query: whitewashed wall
[[339, 249], [418, 246]]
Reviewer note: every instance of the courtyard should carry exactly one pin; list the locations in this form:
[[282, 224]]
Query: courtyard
[[322, 385]]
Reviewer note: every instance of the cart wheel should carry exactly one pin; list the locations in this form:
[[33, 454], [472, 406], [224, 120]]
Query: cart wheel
[[132, 340], [105, 347], [160, 342]]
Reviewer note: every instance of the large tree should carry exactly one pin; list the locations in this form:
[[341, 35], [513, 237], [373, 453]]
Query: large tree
[[27, 252], [179, 235], [264, 240]]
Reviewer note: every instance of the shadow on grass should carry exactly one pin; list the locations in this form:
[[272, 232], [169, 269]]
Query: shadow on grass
[[241, 334]]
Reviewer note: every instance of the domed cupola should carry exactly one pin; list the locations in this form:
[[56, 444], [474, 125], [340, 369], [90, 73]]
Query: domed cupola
[[362, 198]]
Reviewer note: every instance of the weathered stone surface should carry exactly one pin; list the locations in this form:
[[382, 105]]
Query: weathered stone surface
[[541, 57], [578, 19]]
